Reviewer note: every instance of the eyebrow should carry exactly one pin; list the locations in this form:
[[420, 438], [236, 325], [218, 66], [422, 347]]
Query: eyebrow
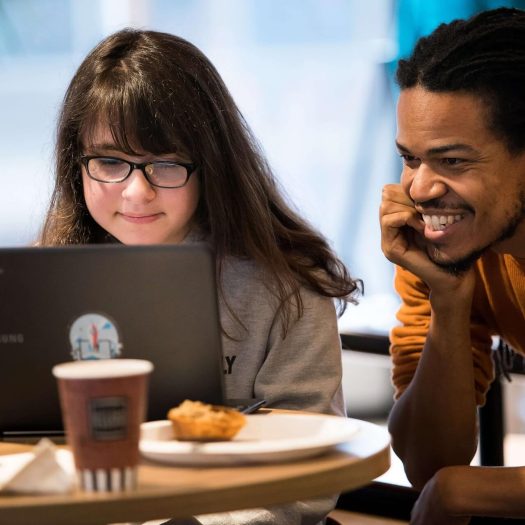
[[102, 147], [440, 149]]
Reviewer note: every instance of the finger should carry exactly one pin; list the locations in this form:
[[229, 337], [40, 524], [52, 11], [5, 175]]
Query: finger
[[395, 193], [397, 235], [392, 205], [400, 218], [400, 247]]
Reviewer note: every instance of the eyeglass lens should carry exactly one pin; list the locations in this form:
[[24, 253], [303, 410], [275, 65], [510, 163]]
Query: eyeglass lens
[[108, 169]]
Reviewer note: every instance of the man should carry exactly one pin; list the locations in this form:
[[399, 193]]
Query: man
[[455, 227]]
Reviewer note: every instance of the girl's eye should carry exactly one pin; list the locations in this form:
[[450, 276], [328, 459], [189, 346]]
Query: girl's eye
[[110, 162]]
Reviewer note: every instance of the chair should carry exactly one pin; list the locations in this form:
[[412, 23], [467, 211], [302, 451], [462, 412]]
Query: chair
[[491, 416]]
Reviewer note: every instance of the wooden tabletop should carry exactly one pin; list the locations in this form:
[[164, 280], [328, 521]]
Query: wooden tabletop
[[168, 491]]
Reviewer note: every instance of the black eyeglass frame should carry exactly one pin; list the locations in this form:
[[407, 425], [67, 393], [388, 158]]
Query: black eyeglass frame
[[190, 169]]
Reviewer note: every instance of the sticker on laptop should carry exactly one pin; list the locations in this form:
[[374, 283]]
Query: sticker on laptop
[[94, 336]]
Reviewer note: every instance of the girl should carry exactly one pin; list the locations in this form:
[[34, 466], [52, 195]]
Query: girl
[[151, 149]]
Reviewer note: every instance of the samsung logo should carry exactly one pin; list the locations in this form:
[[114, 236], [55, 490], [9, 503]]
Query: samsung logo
[[16, 339]]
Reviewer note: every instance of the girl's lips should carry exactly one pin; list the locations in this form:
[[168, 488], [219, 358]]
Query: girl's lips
[[141, 219]]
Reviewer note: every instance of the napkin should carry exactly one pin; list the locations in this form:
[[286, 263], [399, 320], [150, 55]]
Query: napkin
[[43, 470]]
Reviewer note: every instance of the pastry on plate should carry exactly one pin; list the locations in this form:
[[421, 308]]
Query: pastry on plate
[[196, 421]]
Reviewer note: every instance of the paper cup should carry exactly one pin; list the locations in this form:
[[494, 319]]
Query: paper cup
[[103, 403]]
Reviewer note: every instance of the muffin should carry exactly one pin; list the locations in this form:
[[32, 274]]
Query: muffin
[[196, 421]]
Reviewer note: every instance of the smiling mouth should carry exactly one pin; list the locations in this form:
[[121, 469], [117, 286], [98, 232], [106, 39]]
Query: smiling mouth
[[441, 222], [141, 219]]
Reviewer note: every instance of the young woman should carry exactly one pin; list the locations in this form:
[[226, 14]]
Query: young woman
[[151, 148]]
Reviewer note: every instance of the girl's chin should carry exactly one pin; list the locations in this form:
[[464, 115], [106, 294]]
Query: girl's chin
[[132, 240]]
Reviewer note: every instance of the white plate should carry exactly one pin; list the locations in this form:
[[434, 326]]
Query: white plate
[[264, 438]]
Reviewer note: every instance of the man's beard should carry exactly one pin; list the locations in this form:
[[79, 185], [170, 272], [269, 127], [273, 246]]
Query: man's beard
[[462, 265]]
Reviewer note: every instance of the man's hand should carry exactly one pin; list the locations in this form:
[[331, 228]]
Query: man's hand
[[432, 506], [401, 228], [455, 494], [403, 242]]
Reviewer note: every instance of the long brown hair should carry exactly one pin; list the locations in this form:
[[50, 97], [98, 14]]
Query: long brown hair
[[159, 94]]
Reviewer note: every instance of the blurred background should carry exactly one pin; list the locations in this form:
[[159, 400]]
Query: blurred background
[[313, 79]]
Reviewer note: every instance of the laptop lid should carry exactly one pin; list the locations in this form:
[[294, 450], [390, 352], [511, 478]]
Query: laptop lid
[[106, 301]]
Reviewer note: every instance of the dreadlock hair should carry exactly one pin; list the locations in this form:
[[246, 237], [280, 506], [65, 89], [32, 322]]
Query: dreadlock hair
[[483, 55]]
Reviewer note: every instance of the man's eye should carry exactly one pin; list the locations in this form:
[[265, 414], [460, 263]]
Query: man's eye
[[452, 161], [408, 159]]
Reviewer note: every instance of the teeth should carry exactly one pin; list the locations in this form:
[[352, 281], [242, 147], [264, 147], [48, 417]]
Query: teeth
[[440, 222]]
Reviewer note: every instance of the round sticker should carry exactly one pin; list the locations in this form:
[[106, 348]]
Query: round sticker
[[94, 336]]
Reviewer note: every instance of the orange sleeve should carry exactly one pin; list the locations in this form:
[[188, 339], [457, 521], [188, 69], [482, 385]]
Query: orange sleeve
[[408, 338]]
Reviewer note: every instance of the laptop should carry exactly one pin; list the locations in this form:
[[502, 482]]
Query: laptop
[[106, 301]]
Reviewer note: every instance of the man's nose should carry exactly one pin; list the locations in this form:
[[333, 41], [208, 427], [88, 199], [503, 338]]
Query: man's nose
[[138, 188], [424, 184]]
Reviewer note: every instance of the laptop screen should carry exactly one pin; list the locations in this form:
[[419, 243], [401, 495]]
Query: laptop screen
[[106, 301]]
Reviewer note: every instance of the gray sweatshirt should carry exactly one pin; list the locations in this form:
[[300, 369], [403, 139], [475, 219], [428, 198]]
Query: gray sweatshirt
[[302, 371]]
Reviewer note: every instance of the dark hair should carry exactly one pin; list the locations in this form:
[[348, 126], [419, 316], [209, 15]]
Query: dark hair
[[158, 93], [485, 56]]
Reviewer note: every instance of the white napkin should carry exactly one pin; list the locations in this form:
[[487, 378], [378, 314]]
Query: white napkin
[[43, 470]]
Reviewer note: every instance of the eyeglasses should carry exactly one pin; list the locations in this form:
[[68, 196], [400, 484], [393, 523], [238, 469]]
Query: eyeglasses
[[161, 174]]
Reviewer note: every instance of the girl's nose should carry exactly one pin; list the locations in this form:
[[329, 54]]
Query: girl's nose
[[137, 188], [423, 184]]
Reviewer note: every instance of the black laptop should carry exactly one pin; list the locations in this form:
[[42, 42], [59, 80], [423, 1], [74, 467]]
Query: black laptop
[[105, 301]]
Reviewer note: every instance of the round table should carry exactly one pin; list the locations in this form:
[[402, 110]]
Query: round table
[[166, 490]]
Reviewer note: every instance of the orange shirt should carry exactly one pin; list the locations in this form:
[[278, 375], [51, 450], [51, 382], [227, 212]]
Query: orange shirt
[[498, 308]]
